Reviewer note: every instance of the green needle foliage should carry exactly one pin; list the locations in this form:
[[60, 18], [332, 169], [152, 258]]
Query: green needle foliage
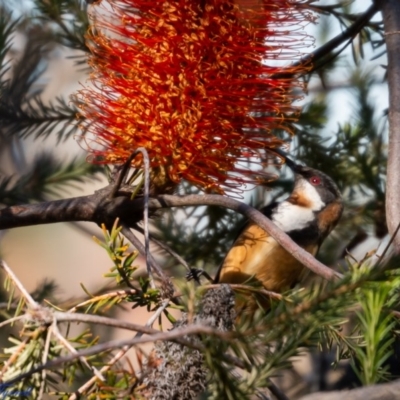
[[70, 21], [377, 326], [47, 178]]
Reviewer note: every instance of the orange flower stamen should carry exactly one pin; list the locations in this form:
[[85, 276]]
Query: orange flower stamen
[[192, 81]]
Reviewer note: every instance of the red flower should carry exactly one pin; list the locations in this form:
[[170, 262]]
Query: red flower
[[192, 81]]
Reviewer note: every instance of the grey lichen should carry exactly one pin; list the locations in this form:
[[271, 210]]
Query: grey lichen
[[178, 372]]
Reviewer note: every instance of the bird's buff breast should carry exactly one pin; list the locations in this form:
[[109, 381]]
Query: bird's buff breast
[[256, 254]]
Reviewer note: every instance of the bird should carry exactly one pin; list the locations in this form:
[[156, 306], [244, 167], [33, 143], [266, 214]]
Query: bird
[[308, 215]]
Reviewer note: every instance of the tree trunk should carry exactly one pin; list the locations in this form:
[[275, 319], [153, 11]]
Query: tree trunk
[[391, 18]]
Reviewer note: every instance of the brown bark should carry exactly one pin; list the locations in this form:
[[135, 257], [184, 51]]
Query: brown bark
[[100, 208], [391, 19]]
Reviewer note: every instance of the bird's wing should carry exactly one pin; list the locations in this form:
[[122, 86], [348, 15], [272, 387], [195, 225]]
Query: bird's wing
[[267, 211]]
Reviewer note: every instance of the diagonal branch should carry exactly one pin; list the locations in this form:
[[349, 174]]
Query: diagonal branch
[[256, 216], [99, 208], [344, 36]]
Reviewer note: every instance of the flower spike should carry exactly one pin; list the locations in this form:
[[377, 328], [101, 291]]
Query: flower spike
[[200, 84]]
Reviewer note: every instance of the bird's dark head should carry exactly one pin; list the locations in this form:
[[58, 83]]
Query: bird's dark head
[[313, 188], [317, 193], [309, 181]]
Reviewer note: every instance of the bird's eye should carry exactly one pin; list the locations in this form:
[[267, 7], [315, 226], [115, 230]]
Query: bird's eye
[[315, 180]]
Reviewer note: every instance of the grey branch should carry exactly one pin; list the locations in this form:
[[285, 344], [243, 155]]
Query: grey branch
[[391, 19], [386, 391], [181, 333], [100, 208], [348, 34]]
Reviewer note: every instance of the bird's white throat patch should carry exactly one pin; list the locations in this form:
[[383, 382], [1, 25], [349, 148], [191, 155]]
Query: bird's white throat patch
[[289, 216]]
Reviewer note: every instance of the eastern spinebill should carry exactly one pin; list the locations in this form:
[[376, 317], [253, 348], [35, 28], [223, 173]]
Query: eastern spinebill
[[308, 215]]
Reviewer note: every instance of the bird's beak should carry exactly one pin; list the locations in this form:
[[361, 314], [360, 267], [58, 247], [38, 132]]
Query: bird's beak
[[296, 168]]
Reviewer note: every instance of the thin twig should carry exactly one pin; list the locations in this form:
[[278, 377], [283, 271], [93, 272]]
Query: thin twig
[[116, 293], [344, 36], [166, 248], [276, 391], [249, 288], [14, 356], [154, 317], [395, 313], [11, 320], [44, 361], [122, 174], [18, 284], [117, 186], [71, 349], [142, 250], [100, 320], [392, 238], [392, 33], [7, 306], [174, 335], [146, 162], [87, 385]]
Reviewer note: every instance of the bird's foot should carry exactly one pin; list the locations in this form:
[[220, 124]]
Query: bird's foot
[[196, 273]]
